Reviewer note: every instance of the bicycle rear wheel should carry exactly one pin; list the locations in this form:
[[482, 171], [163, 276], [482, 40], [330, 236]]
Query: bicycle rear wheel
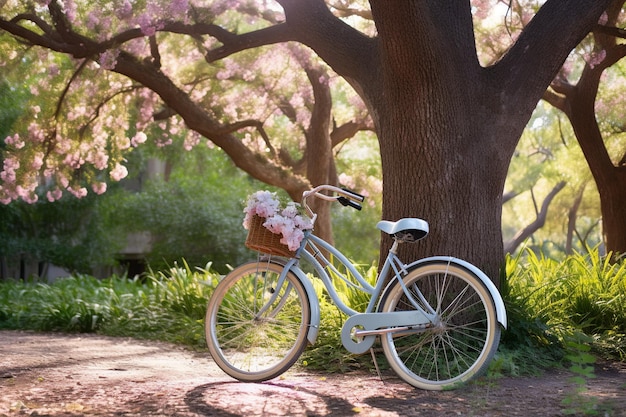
[[464, 334], [254, 329]]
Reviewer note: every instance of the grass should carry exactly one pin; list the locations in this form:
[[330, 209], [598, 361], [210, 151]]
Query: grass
[[548, 303], [553, 301]]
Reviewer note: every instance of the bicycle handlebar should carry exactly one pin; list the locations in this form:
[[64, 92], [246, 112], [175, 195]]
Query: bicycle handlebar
[[344, 196]]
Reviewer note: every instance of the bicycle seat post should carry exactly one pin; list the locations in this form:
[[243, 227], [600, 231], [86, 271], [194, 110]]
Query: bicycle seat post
[[394, 247]]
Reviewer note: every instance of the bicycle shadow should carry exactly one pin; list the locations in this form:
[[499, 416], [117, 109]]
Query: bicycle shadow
[[231, 399]]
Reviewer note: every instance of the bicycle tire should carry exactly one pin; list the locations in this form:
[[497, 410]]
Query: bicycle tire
[[464, 335], [251, 344]]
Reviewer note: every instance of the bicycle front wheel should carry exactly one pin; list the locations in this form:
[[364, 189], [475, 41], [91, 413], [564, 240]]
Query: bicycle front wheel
[[255, 326], [462, 338]]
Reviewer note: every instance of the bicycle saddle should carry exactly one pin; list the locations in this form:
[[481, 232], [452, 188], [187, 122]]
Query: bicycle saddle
[[405, 230]]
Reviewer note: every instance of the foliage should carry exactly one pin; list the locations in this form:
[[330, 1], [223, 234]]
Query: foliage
[[71, 233], [93, 115], [194, 215], [165, 306], [11, 107], [584, 293], [545, 320]]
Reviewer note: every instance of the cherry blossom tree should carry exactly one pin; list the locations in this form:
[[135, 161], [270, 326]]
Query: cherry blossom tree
[[270, 110], [447, 126]]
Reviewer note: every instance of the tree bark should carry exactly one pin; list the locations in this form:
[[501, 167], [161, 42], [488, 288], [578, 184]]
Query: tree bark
[[449, 127]]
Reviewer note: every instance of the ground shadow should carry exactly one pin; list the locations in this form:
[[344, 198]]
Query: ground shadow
[[230, 399]]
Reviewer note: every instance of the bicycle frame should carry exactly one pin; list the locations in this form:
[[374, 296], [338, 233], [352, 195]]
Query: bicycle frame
[[361, 328], [369, 320]]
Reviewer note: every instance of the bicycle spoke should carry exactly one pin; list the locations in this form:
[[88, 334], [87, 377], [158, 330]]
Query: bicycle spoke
[[256, 331], [463, 335]]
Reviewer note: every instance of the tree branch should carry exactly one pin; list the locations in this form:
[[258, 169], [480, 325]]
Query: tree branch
[[232, 43], [528, 65], [611, 31], [348, 130], [525, 233]]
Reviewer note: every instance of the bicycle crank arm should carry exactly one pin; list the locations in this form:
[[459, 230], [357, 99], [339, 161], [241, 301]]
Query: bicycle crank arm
[[367, 326]]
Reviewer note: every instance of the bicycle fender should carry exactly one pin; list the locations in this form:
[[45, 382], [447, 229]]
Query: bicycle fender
[[314, 303], [495, 294]]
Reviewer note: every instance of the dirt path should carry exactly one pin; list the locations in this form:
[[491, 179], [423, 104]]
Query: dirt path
[[70, 375]]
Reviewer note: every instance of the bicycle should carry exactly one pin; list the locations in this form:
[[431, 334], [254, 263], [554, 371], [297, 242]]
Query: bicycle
[[439, 318]]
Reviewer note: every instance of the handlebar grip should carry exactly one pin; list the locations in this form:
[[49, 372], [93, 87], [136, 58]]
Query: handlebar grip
[[345, 202], [354, 195]]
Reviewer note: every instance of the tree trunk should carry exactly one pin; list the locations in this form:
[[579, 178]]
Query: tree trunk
[[609, 177], [448, 127], [572, 215]]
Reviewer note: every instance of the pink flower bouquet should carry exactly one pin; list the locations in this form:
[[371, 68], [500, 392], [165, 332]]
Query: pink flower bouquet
[[288, 221]]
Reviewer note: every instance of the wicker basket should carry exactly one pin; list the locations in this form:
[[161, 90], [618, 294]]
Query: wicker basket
[[262, 240]]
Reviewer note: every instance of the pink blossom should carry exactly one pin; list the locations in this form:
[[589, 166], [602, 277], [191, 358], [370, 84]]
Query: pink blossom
[[54, 195], [122, 143], [148, 28], [78, 192], [30, 198], [15, 141], [596, 58], [100, 160], [26, 194], [35, 133], [70, 10], [37, 161], [108, 59], [163, 142], [139, 138], [179, 8], [125, 11], [99, 187], [287, 222], [604, 18], [62, 180], [347, 181], [93, 19], [119, 172], [62, 145], [191, 141], [11, 164]]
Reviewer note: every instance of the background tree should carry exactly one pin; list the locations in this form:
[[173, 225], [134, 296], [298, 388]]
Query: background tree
[[447, 126], [547, 156], [599, 127], [589, 91]]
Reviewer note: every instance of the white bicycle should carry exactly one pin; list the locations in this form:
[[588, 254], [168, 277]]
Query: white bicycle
[[439, 318]]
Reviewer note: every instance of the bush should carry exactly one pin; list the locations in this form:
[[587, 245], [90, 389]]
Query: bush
[[585, 293], [543, 300], [75, 234]]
